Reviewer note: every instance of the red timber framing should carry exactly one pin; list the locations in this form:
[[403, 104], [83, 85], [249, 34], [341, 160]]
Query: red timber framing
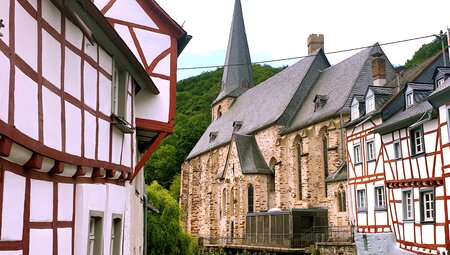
[[367, 174], [417, 173]]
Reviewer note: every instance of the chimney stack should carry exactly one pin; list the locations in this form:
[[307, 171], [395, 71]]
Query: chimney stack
[[315, 42], [378, 69]]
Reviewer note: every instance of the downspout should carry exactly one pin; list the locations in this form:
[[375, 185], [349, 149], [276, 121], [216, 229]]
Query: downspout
[[145, 218]]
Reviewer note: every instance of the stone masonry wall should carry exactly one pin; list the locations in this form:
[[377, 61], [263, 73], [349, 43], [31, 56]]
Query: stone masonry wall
[[210, 204]]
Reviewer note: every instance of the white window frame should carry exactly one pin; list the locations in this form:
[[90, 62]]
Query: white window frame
[[355, 111], [370, 147], [427, 205], [370, 103], [440, 82], [116, 234], [409, 97], [380, 198], [408, 204], [397, 146], [357, 153], [417, 141], [361, 200]]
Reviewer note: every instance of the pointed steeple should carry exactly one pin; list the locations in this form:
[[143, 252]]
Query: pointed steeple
[[237, 73]]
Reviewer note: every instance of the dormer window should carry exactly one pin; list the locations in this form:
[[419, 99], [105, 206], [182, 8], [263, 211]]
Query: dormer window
[[212, 136], [319, 102], [440, 82], [355, 111], [370, 103], [237, 125], [409, 99]]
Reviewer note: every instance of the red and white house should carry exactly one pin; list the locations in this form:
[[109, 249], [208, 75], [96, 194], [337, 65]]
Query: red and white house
[[87, 92], [397, 141]]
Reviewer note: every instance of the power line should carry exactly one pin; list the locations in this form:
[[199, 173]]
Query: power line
[[301, 57]]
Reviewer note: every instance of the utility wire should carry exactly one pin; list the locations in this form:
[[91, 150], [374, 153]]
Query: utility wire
[[301, 57]]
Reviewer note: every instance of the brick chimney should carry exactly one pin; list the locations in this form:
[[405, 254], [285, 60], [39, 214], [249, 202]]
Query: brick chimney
[[378, 69], [315, 42]]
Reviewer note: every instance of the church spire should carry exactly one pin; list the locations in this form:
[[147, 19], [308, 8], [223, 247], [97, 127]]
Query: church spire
[[237, 73]]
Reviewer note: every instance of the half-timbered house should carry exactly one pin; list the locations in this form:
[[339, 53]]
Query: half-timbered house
[[87, 91], [375, 161]]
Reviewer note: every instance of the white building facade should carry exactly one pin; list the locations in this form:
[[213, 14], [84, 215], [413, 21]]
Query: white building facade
[[82, 107]]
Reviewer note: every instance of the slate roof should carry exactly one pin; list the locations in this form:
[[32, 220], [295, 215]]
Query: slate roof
[[238, 67], [257, 108], [339, 82], [250, 156], [421, 86], [440, 95], [339, 175]]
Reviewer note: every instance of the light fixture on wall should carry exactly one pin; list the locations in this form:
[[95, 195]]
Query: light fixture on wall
[[1, 26]]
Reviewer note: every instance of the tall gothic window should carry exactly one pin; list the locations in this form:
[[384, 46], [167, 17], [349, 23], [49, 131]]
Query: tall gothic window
[[299, 169], [341, 200], [224, 203], [325, 160], [250, 198]]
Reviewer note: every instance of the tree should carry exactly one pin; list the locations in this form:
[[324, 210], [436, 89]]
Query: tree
[[165, 235], [426, 51]]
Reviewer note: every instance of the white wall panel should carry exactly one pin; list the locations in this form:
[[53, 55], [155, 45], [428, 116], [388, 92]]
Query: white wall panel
[[13, 203], [90, 129], [41, 201], [73, 34], [103, 140], [65, 202], [105, 95], [26, 36], [41, 241], [11, 252], [409, 232], [64, 241], [51, 14], [52, 119], [26, 104], [124, 33], [126, 154], [72, 74], [105, 60], [163, 66], [91, 50], [117, 139], [90, 86], [51, 59], [154, 107], [135, 15], [4, 85], [427, 238], [73, 129], [160, 43], [4, 13]]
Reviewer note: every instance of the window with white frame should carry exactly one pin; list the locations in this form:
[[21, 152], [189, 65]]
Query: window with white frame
[[355, 111], [95, 234], [370, 150], [361, 200], [408, 205], [380, 198], [409, 99], [440, 82], [357, 153], [427, 213], [370, 103], [397, 149], [416, 136]]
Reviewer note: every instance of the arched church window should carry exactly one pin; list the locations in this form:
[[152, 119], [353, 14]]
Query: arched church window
[[250, 198]]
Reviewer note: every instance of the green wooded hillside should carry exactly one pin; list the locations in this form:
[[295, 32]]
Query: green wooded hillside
[[193, 115]]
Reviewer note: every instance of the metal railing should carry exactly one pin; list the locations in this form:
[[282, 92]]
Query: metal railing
[[309, 237]]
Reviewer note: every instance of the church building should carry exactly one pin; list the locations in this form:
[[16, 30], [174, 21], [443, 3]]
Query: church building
[[271, 168]]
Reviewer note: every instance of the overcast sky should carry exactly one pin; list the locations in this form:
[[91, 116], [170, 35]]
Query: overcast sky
[[279, 29]]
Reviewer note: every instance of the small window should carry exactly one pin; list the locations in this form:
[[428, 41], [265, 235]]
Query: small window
[[397, 149], [342, 206], [370, 151], [417, 145], [357, 152], [355, 111], [380, 198], [370, 103], [408, 205], [427, 205], [361, 203], [116, 230], [440, 82], [250, 198], [409, 99], [224, 203], [95, 235]]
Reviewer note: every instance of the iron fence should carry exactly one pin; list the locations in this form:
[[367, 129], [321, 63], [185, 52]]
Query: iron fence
[[324, 234]]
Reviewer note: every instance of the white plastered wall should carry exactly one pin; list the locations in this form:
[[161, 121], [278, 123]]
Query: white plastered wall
[[13, 206], [154, 107]]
